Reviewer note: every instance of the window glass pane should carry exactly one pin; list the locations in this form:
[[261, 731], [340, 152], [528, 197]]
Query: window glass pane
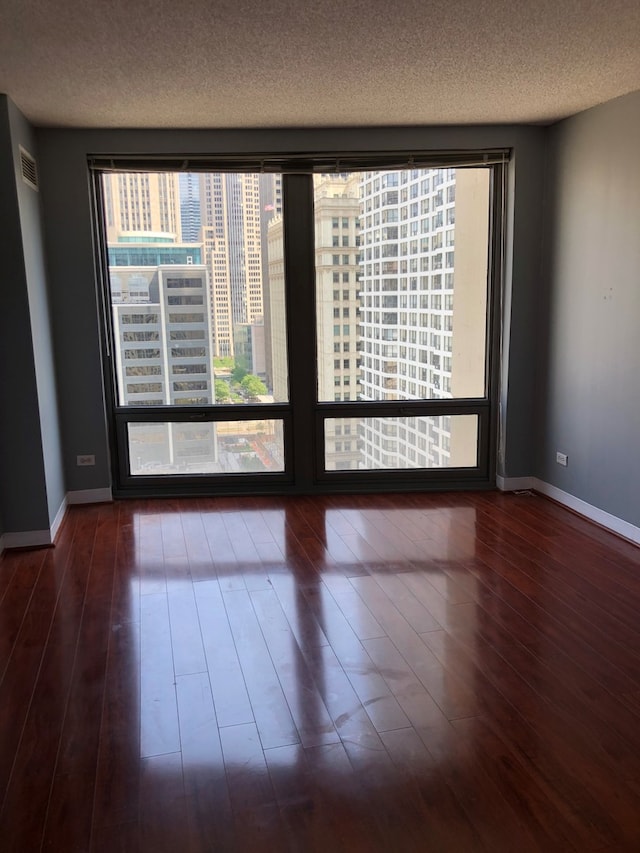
[[372, 443], [191, 258], [402, 288], [224, 447]]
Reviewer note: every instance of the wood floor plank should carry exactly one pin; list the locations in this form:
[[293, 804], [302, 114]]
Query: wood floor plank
[[445, 824], [349, 715], [271, 711], [70, 810], [197, 545], [379, 702], [257, 822], [307, 809], [361, 619], [387, 593], [173, 541], [22, 571], [10, 563], [125, 597], [117, 783], [536, 628], [246, 553], [313, 723], [221, 548], [397, 817], [186, 637], [207, 800], [163, 821], [36, 689], [159, 732], [150, 551], [230, 697], [302, 620]]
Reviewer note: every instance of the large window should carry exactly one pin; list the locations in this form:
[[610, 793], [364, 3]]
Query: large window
[[420, 320], [194, 322], [296, 330]]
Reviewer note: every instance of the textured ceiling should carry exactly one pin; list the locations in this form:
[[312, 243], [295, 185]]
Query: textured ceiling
[[314, 63]]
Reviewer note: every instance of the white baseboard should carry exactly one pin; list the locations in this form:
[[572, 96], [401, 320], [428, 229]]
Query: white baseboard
[[514, 484], [599, 516], [89, 496], [40, 538], [27, 539], [57, 521]]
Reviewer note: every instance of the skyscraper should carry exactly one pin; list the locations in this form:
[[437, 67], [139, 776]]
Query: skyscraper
[[337, 250], [162, 350], [142, 201], [231, 231], [190, 206], [424, 276], [270, 208]]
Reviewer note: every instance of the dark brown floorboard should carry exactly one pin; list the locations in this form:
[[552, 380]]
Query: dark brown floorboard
[[442, 673]]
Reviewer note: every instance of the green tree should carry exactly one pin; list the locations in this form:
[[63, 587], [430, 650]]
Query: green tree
[[253, 386], [238, 373], [224, 362], [222, 390]]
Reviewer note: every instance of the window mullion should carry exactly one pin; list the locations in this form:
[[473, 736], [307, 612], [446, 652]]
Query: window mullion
[[299, 277]]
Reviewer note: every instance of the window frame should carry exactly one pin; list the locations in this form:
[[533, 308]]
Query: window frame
[[304, 471]]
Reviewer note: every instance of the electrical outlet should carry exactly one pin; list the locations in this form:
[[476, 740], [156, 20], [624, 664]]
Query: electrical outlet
[[562, 459], [86, 459]]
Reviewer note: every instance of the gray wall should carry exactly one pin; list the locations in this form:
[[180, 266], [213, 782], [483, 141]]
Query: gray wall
[[23, 494], [65, 190], [520, 311], [37, 292], [589, 370]]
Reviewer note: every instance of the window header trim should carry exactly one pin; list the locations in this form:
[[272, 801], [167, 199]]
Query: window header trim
[[301, 163]]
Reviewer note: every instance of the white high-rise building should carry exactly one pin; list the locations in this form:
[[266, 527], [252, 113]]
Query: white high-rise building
[[423, 310]]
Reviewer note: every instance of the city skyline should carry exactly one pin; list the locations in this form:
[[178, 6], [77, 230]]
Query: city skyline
[[389, 246]]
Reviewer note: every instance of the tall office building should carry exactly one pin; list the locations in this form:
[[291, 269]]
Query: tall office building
[[142, 201], [270, 208], [231, 232], [163, 357], [337, 253], [190, 206], [424, 275], [276, 355]]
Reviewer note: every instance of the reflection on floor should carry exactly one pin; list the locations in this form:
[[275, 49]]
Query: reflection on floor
[[374, 673]]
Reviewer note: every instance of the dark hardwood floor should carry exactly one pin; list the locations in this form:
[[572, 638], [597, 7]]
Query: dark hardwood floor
[[437, 673]]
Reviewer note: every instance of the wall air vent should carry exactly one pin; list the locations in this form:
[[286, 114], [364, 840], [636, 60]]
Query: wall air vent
[[28, 168]]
